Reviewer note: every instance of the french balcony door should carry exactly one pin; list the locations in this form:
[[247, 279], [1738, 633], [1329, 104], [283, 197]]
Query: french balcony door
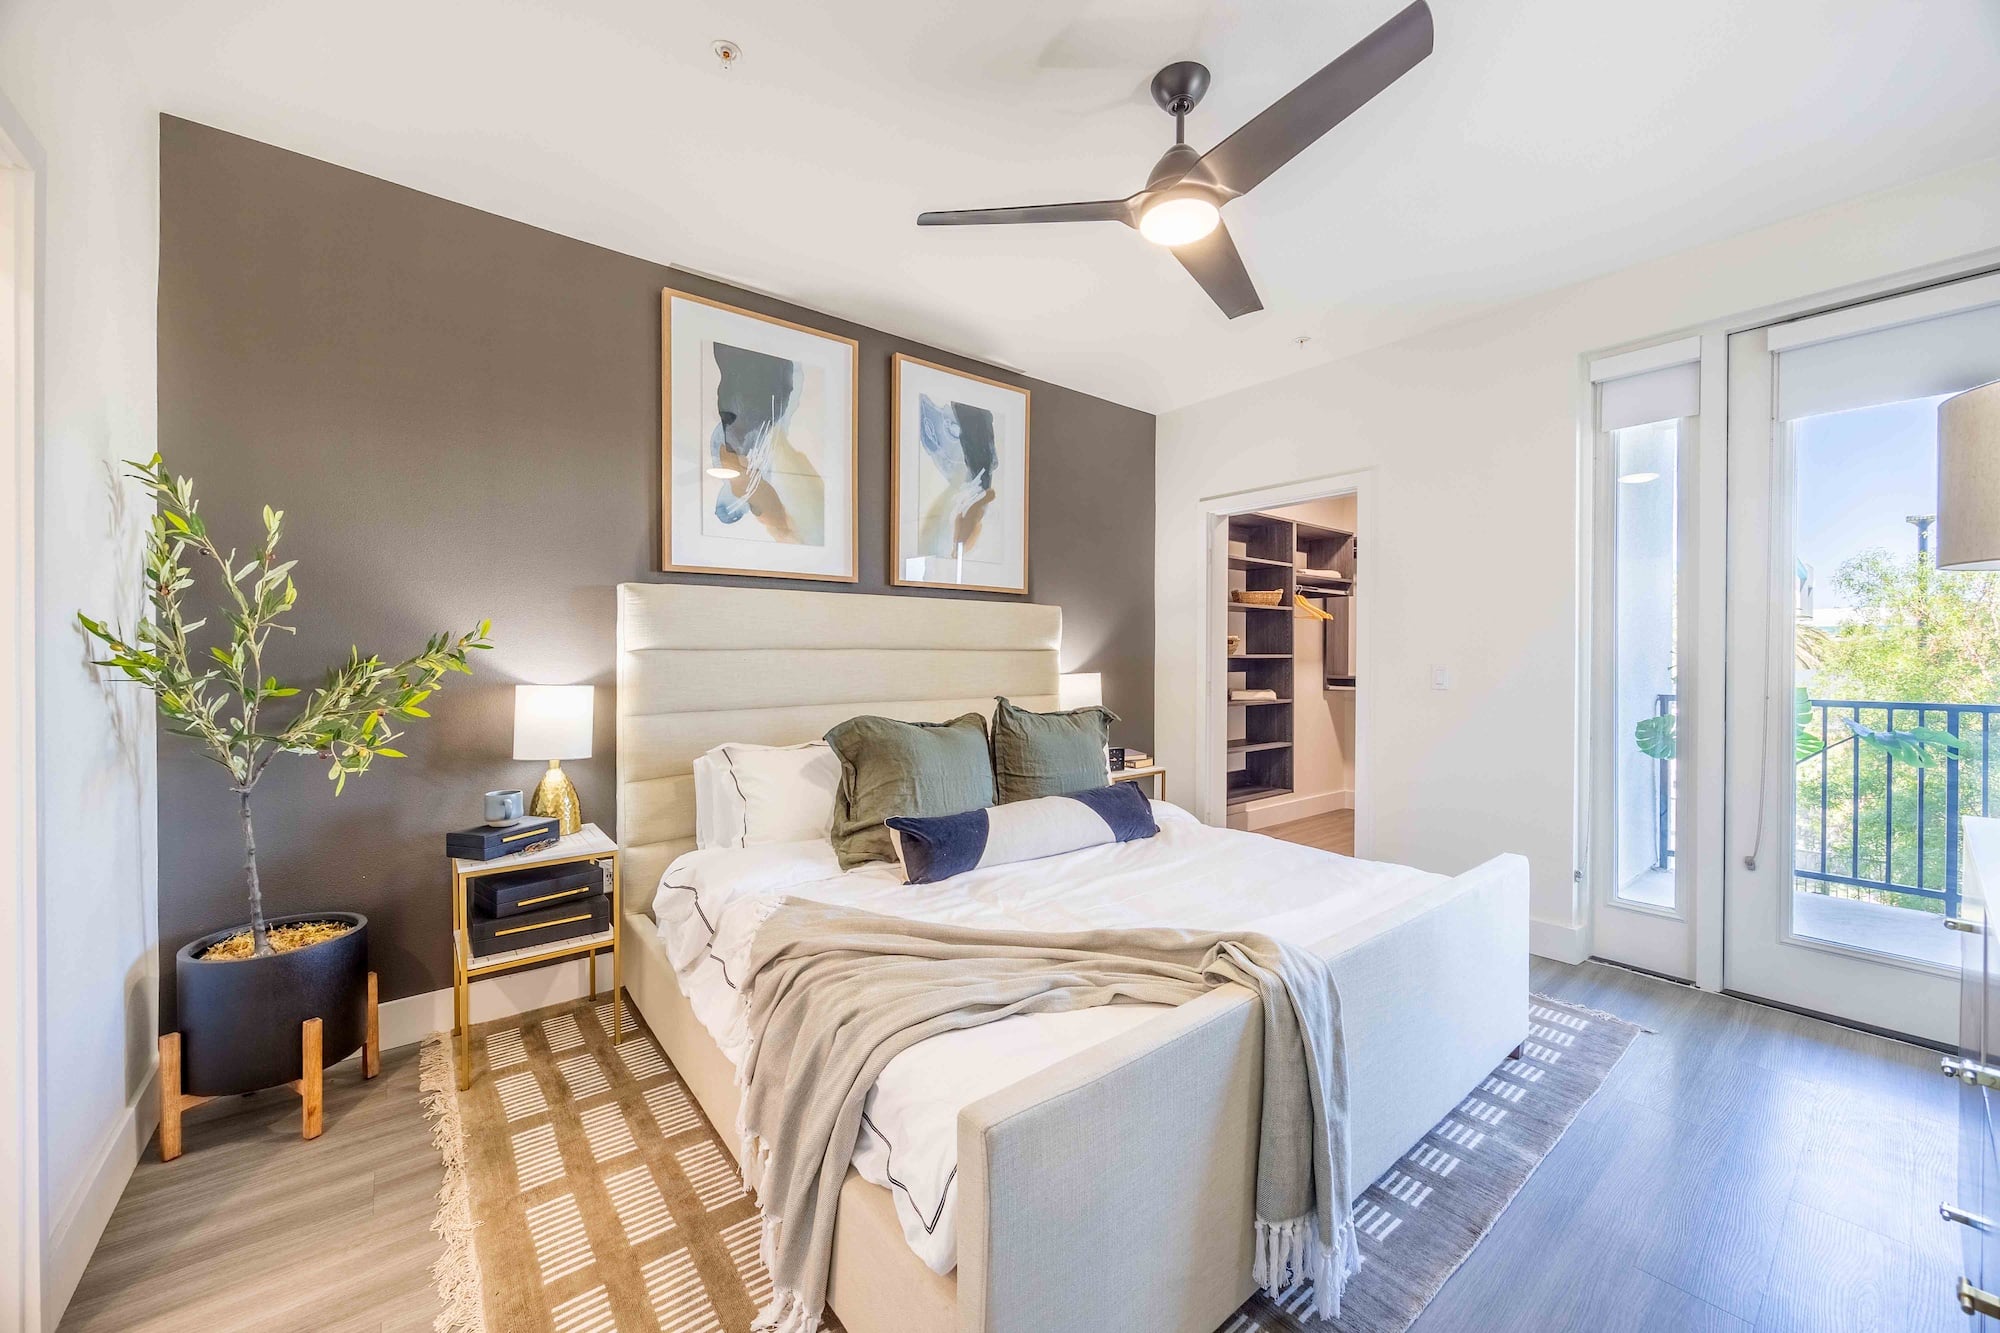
[[1862, 681]]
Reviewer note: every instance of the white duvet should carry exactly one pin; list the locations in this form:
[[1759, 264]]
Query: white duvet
[[710, 904]]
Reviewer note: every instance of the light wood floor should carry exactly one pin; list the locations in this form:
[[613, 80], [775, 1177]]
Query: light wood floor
[[1331, 832], [254, 1228], [1744, 1169]]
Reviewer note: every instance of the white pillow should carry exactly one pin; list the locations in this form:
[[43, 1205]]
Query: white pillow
[[750, 795]]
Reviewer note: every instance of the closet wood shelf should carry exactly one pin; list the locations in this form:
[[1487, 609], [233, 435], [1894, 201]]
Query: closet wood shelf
[[1257, 562], [1252, 606], [1244, 795], [1256, 703], [1250, 747], [1260, 657]]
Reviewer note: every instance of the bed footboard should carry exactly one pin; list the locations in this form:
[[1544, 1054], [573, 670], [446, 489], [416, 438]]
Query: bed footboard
[[1115, 1190]]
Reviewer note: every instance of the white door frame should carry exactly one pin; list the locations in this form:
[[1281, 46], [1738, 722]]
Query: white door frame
[[1685, 943], [1211, 801], [21, 172]]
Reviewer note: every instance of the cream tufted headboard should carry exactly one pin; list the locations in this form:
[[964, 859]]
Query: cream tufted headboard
[[699, 665]]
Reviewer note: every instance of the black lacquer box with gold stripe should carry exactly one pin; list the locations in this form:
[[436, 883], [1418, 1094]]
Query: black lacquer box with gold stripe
[[541, 925], [537, 886], [489, 841]]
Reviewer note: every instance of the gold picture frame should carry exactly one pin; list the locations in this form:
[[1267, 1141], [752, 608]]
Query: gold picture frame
[[703, 319], [903, 559]]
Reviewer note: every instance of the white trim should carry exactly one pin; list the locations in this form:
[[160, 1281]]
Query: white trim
[[1871, 317], [409, 1020], [1558, 940], [1284, 809], [1660, 356], [22, 1251], [1211, 801], [74, 1235]]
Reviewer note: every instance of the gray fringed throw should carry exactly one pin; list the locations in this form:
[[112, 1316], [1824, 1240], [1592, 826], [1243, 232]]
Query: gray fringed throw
[[835, 994]]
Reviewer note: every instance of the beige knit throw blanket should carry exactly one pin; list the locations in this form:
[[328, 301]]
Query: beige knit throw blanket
[[835, 994]]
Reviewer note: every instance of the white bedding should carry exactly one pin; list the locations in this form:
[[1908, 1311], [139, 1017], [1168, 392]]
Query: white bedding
[[710, 904]]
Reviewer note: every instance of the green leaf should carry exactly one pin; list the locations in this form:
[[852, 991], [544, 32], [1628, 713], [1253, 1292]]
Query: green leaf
[[1655, 736], [1919, 747], [1806, 742], [393, 754]]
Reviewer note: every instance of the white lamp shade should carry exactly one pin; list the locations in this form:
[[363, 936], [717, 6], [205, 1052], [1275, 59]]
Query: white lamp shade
[[1969, 480], [1080, 689], [552, 721]]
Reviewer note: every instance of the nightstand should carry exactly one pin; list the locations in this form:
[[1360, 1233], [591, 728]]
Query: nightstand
[[590, 843], [1157, 772]]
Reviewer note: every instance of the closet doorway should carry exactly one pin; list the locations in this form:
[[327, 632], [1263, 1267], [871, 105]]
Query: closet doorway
[[1284, 683]]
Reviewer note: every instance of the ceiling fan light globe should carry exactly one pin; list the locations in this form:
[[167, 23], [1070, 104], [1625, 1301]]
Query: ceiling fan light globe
[[1179, 221]]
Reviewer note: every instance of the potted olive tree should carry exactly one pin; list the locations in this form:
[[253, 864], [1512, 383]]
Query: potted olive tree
[[244, 993]]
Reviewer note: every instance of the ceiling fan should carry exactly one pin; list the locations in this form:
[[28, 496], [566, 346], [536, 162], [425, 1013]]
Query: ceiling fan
[[1181, 206]]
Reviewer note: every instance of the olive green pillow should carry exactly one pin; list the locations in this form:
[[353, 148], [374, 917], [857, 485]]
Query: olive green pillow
[[890, 768], [1048, 754]]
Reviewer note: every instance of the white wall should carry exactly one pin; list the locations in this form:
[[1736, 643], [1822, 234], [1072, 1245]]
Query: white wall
[[68, 75], [1470, 434]]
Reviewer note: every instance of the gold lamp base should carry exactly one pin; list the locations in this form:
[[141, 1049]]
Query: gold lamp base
[[555, 798]]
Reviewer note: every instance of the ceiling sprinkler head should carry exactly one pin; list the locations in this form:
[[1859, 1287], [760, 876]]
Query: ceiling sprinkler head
[[727, 53], [1303, 339]]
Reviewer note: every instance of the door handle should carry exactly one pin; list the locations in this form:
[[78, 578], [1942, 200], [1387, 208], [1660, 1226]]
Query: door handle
[[1970, 1072], [1974, 1301], [1968, 924], [1963, 1218]]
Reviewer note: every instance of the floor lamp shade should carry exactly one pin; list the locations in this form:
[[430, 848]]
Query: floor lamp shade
[[1969, 480]]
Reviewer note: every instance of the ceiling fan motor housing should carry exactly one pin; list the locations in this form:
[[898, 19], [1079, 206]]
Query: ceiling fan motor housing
[[1179, 87]]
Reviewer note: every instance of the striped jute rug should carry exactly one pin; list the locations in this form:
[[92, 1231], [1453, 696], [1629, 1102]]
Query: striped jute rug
[[585, 1191]]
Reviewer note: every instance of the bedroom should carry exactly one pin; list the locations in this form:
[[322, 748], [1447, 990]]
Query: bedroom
[[425, 281]]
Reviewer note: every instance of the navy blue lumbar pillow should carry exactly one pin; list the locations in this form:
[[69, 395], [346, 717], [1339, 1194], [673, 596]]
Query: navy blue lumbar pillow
[[936, 847]]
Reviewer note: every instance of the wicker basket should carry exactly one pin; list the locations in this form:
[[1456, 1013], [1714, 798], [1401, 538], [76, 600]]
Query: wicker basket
[[1233, 644], [1258, 596]]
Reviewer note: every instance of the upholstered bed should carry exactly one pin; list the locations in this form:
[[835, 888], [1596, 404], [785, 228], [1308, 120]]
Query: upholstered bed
[[1059, 1223]]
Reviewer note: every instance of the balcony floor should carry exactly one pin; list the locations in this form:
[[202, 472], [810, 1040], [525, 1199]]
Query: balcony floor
[[1860, 925]]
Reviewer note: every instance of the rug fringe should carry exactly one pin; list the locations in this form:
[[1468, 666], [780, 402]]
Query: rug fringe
[[1594, 1013], [456, 1272]]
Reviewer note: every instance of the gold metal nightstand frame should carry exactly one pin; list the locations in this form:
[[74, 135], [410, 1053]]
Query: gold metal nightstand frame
[[466, 968]]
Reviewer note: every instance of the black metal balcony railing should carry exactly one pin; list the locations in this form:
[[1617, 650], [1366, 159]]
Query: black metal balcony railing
[[1863, 819]]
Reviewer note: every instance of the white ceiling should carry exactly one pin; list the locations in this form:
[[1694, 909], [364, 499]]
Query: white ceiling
[[1544, 142]]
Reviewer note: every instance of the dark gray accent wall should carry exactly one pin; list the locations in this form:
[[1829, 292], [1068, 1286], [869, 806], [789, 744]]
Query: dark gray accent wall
[[460, 416]]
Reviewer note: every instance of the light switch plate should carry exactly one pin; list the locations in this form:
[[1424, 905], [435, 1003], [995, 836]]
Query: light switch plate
[[1440, 678]]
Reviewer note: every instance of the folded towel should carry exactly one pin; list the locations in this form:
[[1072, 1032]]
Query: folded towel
[[1242, 696]]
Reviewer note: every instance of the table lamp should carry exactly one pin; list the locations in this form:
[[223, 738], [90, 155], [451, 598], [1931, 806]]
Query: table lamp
[[1969, 480], [552, 722]]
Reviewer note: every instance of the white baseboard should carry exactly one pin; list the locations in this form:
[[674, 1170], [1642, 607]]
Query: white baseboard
[[1558, 940], [415, 1017], [74, 1236], [1285, 809]]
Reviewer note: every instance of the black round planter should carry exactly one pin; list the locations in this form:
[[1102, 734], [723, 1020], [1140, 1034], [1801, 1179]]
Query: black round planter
[[241, 1021]]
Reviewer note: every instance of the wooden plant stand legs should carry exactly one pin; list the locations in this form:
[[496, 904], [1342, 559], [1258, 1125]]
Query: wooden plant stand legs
[[310, 1085]]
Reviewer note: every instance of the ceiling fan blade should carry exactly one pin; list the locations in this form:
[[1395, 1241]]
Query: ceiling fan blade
[[1101, 210], [1287, 127], [1219, 269]]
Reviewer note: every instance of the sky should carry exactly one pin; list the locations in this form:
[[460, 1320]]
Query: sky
[[1860, 474]]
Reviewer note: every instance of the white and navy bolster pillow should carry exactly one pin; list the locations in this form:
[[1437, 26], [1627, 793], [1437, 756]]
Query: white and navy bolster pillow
[[936, 847]]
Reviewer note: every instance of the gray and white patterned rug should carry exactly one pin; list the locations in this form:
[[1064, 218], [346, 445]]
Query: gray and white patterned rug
[[585, 1192], [1420, 1221]]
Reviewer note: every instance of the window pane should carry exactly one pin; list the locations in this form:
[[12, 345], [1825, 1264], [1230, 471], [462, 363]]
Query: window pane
[[1645, 561], [1897, 676]]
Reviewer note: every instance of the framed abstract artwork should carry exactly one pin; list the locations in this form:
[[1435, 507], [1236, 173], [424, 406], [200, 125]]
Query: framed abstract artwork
[[758, 444], [959, 463]]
